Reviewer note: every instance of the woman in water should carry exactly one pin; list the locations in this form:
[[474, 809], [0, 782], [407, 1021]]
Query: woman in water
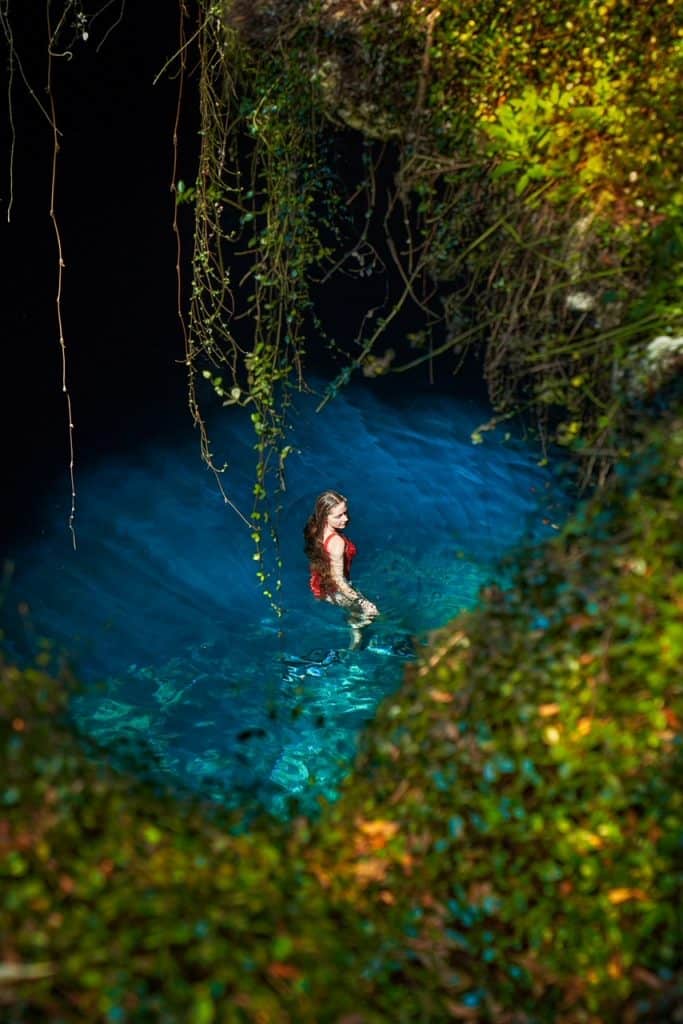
[[330, 554]]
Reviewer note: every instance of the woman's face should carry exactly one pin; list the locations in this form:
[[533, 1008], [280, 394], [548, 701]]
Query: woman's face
[[338, 516]]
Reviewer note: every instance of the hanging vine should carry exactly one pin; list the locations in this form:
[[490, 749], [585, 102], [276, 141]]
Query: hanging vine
[[66, 25], [256, 243]]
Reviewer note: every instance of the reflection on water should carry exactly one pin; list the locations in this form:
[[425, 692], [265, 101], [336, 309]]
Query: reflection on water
[[162, 614]]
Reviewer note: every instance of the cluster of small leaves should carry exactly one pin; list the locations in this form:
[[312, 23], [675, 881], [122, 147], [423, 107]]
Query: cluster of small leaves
[[505, 850], [566, 89]]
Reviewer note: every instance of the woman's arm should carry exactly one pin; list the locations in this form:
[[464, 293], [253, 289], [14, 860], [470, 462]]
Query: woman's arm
[[335, 550]]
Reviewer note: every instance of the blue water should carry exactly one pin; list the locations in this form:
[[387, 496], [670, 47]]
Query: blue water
[[162, 615]]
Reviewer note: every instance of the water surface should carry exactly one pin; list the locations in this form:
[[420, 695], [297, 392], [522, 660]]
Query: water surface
[[161, 611]]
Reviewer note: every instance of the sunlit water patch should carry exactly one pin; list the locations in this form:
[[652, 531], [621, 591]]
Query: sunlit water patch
[[185, 662]]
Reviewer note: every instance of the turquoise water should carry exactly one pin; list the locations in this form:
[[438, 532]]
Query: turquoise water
[[185, 663]]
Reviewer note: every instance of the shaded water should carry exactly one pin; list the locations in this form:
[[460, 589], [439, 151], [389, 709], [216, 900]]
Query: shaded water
[[162, 614]]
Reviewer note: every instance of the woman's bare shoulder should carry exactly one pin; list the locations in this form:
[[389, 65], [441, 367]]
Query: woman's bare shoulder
[[335, 544]]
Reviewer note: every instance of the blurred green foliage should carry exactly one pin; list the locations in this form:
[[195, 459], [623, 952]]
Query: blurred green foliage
[[586, 94], [507, 848]]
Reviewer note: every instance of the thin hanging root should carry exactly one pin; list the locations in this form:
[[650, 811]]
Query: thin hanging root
[[58, 298]]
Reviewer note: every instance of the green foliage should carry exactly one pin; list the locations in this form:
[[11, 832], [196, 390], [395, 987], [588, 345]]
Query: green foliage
[[566, 89], [506, 848]]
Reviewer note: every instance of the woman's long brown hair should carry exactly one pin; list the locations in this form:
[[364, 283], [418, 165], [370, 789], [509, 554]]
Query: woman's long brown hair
[[313, 537]]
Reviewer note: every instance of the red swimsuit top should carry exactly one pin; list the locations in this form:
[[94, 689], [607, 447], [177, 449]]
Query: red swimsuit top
[[349, 554]]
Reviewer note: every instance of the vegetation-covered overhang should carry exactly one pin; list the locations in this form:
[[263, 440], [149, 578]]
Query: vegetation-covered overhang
[[534, 214]]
